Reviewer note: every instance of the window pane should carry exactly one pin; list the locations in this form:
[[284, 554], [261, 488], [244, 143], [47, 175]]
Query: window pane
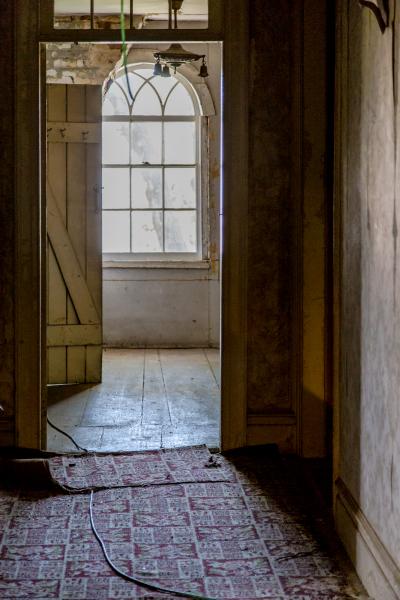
[[146, 143], [116, 188], [193, 14], [180, 143], [164, 85], [147, 231], [146, 73], [180, 188], [135, 83], [115, 102], [147, 102], [107, 14], [115, 143], [179, 102], [180, 231], [116, 231], [146, 188], [72, 14], [153, 13]]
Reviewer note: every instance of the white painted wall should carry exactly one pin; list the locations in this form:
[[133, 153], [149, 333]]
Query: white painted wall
[[150, 307], [172, 306]]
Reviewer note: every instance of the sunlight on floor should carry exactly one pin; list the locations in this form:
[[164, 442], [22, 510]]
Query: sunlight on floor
[[148, 399]]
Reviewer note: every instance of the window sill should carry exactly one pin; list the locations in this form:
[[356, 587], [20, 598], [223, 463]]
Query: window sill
[[156, 264]]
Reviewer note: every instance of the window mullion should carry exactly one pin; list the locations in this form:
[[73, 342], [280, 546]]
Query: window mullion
[[163, 182], [130, 187], [199, 191]]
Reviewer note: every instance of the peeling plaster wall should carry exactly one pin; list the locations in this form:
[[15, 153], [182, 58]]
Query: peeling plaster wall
[[80, 63], [370, 346], [7, 216]]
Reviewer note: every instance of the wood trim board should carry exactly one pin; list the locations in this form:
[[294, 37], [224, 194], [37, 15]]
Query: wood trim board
[[74, 335], [69, 264], [378, 572], [29, 321], [234, 224], [88, 133]]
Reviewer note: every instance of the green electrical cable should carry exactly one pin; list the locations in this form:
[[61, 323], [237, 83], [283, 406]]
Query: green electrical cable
[[124, 51]]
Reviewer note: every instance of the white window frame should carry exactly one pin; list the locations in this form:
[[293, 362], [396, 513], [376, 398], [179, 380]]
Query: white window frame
[[201, 253]]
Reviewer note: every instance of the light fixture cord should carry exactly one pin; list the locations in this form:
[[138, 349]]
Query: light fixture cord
[[124, 51]]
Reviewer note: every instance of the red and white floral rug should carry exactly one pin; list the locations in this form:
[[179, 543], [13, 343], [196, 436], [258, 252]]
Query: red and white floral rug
[[243, 528]]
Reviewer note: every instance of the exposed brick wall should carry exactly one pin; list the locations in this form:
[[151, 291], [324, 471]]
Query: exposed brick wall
[[100, 22], [7, 221], [80, 63]]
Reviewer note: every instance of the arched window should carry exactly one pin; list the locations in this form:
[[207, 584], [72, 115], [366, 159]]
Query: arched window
[[151, 160]]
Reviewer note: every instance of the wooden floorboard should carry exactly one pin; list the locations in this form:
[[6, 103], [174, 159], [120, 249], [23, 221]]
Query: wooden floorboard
[[148, 399], [214, 360], [155, 402]]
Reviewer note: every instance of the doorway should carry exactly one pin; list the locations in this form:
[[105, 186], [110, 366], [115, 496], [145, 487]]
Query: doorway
[[153, 380], [35, 28]]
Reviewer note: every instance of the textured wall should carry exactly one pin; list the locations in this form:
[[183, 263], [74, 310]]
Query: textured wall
[[269, 284], [288, 203], [80, 63], [160, 308], [6, 226], [370, 407]]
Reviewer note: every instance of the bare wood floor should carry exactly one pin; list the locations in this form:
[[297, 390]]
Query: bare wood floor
[[148, 399]]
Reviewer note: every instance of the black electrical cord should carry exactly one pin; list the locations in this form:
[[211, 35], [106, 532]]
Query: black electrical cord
[[141, 582], [77, 446]]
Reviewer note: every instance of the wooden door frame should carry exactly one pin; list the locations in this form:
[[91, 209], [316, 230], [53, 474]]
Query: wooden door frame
[[30, 228], [340, 193]]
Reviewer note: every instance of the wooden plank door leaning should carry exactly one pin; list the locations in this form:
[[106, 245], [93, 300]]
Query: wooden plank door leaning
[[74, 269]]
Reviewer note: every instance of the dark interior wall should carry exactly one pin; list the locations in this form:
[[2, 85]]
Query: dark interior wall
[[7, 217], [269, 283], [288, 201]]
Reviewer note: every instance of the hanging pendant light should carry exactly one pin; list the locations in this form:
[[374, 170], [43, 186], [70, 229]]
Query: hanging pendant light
[[157, 68], [175, 56], [165, 72], [203, 69]]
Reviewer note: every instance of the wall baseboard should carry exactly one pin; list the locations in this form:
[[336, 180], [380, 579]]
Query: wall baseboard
[[7, 427], [277, 429], [374, 565]]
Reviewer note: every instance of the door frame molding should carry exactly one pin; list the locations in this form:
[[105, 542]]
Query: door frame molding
[[30, 227]]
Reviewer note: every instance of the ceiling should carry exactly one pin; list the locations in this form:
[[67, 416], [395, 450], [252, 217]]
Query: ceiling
[[140, 7]]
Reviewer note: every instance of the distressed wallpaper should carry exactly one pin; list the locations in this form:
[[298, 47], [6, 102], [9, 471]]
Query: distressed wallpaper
[[269, 284], [6, 226], [370, 407]]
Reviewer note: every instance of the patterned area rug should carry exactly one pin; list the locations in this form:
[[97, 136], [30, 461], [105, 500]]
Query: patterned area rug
[[258, 535], [194, 464]]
